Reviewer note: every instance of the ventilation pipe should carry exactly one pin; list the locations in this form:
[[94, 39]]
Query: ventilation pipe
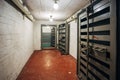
[[23, 8]]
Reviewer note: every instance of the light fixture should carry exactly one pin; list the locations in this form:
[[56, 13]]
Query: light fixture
[[51, 19], [56, 5]]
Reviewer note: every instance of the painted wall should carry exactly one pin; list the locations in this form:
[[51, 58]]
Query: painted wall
[[16, 41], [73, 39], [37, 32]]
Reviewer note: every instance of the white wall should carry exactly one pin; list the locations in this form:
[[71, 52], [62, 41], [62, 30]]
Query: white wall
[[73, 39], [37, 32], [16, 41]]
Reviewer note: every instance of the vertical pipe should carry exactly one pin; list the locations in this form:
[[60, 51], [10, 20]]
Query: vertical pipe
[[113, 28], [41, 36], [68, 37], [65, 38], [78, 52], [118, 41], [87, 40], [88, 46], [56, 36]]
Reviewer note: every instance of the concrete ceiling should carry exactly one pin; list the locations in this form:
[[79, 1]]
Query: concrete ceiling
[[42, 9]]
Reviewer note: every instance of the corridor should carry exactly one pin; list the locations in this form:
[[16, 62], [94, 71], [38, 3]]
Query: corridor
[[49, 65], [59, 39]]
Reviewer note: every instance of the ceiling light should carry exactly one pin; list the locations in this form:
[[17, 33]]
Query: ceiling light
[[56, 5], [51, 19]]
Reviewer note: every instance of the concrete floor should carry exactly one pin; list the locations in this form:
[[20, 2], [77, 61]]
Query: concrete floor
[[49, 65]]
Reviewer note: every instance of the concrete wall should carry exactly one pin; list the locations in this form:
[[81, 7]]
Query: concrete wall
[[73, 39], [16, 41], [37, 32]]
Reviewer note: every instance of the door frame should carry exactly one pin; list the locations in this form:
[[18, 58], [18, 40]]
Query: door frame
[[118, 39], [45, 25]]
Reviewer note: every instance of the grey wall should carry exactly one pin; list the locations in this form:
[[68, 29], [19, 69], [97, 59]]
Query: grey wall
[[73, 39], [16, 41], [37, 32]]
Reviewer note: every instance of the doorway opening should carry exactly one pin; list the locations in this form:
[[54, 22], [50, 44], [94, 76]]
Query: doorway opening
[[48, 36]]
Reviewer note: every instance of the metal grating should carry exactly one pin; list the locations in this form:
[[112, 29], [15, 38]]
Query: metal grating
[[94, 31], [64, 38]]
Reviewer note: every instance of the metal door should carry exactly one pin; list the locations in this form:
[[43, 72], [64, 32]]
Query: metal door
[[48, 36], [96, 41]]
